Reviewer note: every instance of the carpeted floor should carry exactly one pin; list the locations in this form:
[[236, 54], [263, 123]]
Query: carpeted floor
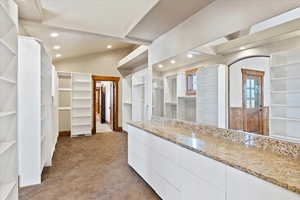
[[90, 168]]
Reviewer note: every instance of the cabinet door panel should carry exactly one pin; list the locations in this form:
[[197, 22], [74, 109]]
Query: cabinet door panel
[[204, 168], [196, 189], [247, 187]]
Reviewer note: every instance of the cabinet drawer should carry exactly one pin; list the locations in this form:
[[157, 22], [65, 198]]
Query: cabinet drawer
[[194, 189], [204, 168], [241, 185], [166, 148], [142, 136]]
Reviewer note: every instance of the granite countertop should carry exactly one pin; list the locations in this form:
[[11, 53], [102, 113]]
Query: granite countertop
[[272, 167]]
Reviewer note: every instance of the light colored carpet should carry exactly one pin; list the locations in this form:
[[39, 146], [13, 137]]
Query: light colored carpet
[[90, 168]]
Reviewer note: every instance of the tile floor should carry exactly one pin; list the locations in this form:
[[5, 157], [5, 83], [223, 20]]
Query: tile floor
[[90, 168]]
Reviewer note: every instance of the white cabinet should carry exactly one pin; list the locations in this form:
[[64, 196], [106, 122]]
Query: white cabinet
[[36, 136], [211, 96], [244, 186], [176, 173], [126, 101]]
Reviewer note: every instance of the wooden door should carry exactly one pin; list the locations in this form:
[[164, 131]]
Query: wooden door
[[111, 105], [253, 100], [103, 104]]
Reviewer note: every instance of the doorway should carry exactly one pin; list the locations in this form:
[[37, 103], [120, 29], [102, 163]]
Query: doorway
[[105, 104], [249, 94], [253, 100]]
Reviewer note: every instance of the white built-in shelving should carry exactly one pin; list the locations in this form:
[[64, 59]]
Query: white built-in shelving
[[285, 94], [36, 134], [81, 104], [157, 96], [170, 96], [8, 99], [126, 101], [138, 95], [211, 95]]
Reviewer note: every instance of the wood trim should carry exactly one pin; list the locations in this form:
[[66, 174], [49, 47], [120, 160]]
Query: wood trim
[[260, 74], [64, 133], [191, 71], [116, 100], [120, 129]]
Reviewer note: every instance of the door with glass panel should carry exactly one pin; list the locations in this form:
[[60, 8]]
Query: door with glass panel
[[253, 100]]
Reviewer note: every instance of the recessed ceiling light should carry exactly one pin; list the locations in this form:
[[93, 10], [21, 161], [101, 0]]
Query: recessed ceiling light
[[54, 34], [56, 47], [242, 48], [190, 55], [173, 61], [109, 46], [160, 66], [58, 55]]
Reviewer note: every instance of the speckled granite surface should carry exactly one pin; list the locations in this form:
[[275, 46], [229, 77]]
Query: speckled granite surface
[[270, 159]]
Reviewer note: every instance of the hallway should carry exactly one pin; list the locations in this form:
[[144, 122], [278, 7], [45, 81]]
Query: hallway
[[88, 168]]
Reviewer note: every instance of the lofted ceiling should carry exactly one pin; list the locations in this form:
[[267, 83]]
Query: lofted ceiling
[[72, 43], [89, 26], [164, 16]]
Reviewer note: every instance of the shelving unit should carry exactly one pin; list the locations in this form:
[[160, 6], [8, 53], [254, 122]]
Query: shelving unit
[[138, 96], [8, 99], [64, 102], [285, 94], [126, 101], [211, 95], [36, 135], [158, 97], [187, 108], [81, 105], [170, 83]]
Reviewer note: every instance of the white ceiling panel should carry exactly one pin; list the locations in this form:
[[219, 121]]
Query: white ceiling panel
[[108, 17], [73, 44]]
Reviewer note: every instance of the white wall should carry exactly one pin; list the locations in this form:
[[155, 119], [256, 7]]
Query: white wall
[[103, 64], [255, 63], [220, 18]]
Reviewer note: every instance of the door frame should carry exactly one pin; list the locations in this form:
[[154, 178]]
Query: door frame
[[229, 83], [115, 106], [260, 74]]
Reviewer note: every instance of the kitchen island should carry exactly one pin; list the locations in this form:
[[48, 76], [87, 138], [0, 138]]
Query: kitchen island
[[183, 161]]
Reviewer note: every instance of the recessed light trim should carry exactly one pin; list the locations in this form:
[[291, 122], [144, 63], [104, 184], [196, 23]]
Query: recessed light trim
[[190, 55], [54, 34], [56, 47], [160, 66], [109, 46], [58, 55], [242, 48], [173, 61]]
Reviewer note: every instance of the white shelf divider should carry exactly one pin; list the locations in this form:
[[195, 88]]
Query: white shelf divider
[[8, 99]]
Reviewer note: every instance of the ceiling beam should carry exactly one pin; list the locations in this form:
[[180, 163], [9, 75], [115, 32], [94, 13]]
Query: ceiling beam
[[95, 35]]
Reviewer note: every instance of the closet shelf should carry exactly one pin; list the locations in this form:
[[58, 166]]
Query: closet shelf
[[284, 105], [65, 89], [285, 78], [171, 103], [5, 114], [81, 124], [285, 118], [6, 189], [82, 81], [287, 64], [81, 98], [4, 146], [139, 84], [8, 47], [286, 92], [81, 107], [188, 97], [127, 102], [8, 80], [64, 74], [81, 90], [64, 108], [81, 116]]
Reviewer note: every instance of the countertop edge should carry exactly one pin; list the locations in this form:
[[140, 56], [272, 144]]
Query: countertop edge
[[243, 169]]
